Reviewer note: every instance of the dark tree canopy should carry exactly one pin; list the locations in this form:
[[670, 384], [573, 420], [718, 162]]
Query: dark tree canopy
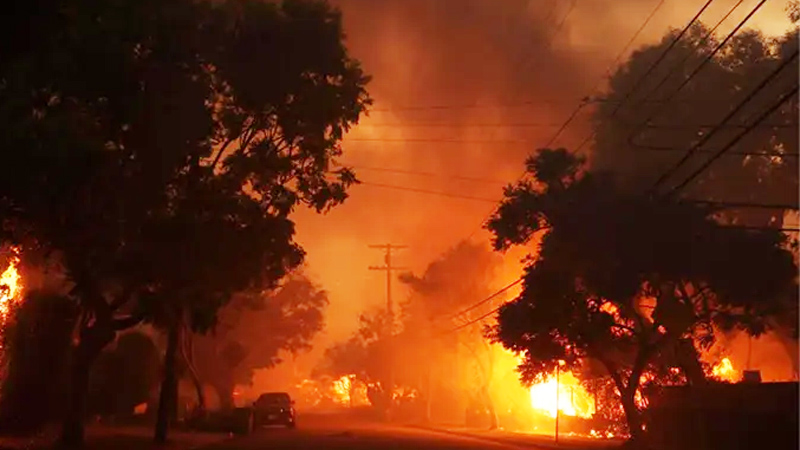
[[125, 376], [159, 146], [751, 171], [256, 329], [621, 277]]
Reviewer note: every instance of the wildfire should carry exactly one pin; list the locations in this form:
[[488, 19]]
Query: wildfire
[[724, 371], [564, 393], [342, 389], [10, 285]]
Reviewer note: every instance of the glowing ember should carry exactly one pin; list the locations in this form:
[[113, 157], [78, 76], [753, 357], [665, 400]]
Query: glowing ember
[[724, 371], [10, 286], [564, 391], [599, 434]]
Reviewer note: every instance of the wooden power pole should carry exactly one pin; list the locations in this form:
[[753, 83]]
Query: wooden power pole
[[389, 269]]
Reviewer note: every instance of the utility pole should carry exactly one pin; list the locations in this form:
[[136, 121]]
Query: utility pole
[[388, 268]]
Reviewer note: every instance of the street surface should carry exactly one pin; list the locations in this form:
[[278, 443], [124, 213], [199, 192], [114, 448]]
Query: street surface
[[321, 432]]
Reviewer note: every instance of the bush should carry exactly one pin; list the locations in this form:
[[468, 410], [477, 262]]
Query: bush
[[36, 355]]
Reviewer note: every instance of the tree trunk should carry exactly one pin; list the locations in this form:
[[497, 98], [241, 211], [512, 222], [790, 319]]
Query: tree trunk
[[187, 353], [225, 394], [167, 401], [632, 414], [689, 361], [92, 341]]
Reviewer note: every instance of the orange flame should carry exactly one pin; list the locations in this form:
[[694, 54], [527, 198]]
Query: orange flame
[[10, 286], [342, 388], [563, 393], [725, 371]]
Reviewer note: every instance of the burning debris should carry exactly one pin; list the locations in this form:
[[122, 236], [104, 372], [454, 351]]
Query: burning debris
[[724, 371], [10, 285]]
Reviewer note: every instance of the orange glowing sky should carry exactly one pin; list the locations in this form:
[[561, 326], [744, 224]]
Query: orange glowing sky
[[445, 52]]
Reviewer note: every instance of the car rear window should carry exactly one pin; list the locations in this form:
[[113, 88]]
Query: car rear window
[[277, 398]]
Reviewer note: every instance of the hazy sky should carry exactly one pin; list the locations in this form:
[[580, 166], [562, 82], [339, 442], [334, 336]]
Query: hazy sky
[[465, 52]]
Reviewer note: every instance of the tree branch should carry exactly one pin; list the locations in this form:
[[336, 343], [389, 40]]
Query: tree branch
[[222, 150]]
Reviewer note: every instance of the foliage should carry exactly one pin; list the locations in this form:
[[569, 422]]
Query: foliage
[[125, 376], [441, 300], [256, 328], [620, 277], [36, 352], [460, 364], [641, 152], [161, 158]]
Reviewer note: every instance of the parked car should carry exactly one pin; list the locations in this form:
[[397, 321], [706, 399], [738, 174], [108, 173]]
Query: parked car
[[274, 408]]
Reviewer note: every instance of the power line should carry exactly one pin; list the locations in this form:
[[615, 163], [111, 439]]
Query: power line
[[581, 105], [523, 103], [532, 142], [703, 63], [681, 64], [736, 139], [401, 125], [662, 56], [713, 203], [429, 174], [691, 151], [586, 100], [658, 61], [620, 55], [476, 320], [487, 299], [425, 191]]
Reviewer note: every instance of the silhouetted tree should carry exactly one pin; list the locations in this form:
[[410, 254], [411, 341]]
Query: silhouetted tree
[[36, 347], [254, 329], [145, 137], [368, 356], [124, 376], [620, 277], [439, 297], [639, 152]]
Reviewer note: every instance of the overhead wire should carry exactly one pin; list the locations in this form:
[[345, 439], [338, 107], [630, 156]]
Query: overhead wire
[[713, 203], [426, 191], [791, 93], [731, 114], [680, 65], [401, 125], [429, 174], [663, 56], [496, 142], [588, 99], [702, 64], [571, 117], [487, 299], [585, 101]]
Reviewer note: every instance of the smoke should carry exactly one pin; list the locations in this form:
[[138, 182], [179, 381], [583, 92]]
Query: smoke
[[424, 54]]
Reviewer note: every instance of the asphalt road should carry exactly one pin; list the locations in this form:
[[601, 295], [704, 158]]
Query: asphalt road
[[333, 434]]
